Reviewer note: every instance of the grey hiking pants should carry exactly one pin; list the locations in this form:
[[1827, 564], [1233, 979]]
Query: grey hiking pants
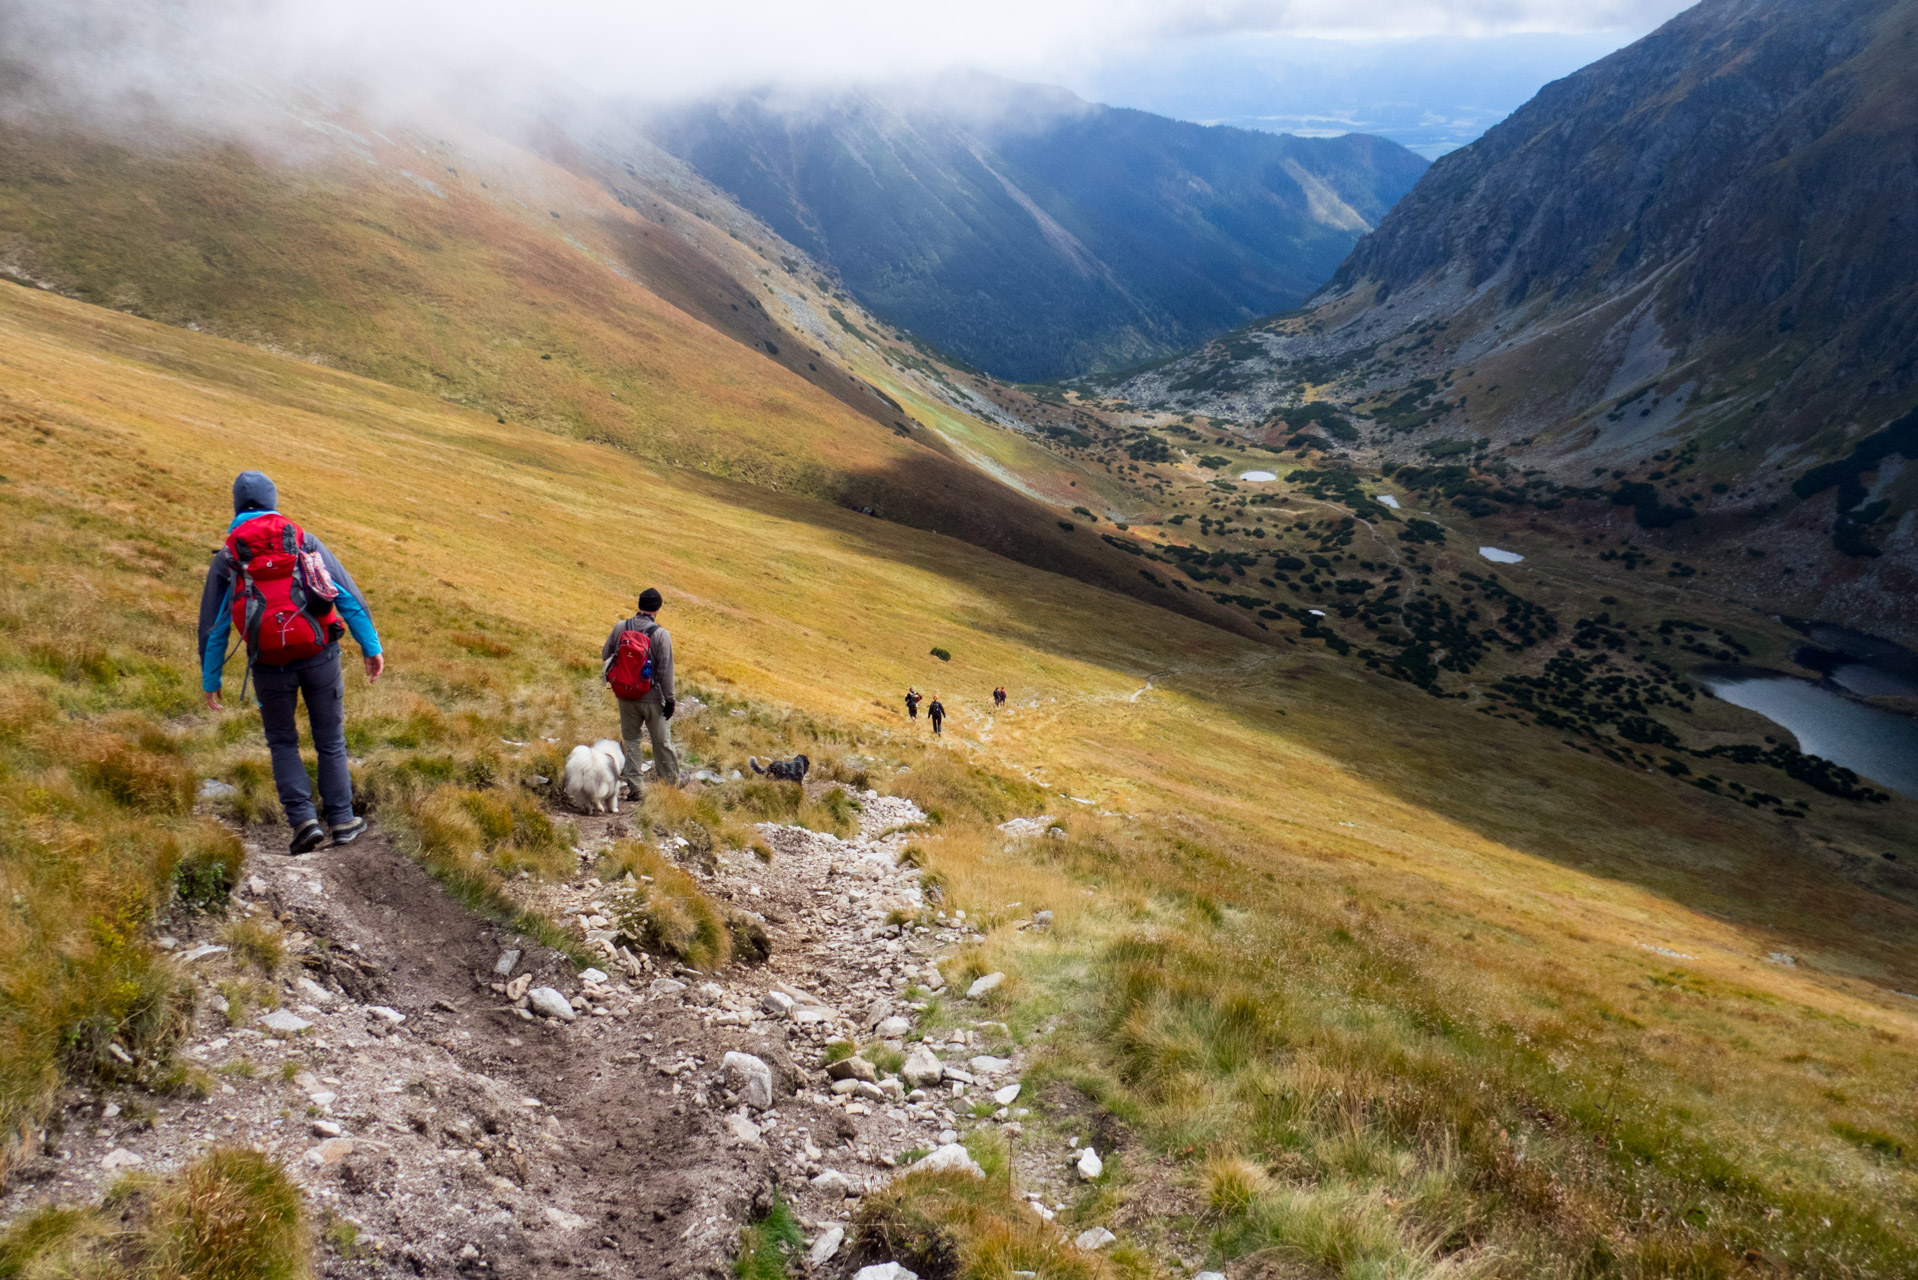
[[319, 682], [650, 715]]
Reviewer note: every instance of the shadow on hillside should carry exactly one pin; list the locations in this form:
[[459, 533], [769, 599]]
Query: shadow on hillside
[[1822, 887]]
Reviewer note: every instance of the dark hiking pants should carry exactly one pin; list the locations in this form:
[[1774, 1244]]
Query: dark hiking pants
[[320, 683]]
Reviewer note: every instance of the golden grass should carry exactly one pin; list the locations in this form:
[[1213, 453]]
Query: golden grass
[[229, 1215], [666, 911]]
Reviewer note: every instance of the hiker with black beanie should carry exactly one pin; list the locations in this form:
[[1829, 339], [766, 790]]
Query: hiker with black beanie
[[291, 600], [641, 673]]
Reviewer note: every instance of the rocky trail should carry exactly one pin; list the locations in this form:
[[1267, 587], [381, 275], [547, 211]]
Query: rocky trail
[[460, 1101]]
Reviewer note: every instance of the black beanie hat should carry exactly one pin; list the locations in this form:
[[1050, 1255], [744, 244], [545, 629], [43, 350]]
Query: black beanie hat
[[650, 600]]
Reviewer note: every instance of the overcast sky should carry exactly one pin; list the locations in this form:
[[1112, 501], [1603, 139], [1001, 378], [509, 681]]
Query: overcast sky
[[1165, 55]]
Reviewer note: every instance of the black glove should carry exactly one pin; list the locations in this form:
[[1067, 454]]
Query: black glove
[[670, 704]]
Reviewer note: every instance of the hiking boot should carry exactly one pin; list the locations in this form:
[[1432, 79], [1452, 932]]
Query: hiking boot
[[308, 838], [348, 832]]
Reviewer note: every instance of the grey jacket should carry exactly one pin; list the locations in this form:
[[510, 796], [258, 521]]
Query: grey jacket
[[662, 690]]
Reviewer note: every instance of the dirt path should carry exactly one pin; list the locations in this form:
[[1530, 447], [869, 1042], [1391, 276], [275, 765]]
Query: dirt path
[[443, 1129]]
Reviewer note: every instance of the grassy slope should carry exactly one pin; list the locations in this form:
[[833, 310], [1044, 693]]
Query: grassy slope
[[555, 293], [1343, 829]]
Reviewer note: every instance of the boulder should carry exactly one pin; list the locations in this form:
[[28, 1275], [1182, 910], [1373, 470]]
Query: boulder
[[120, 1158], [854, 1068], [549, 1003], [922, 1068], [563, 1220], [984, 986], [593, 977], [332, 1151], [750, 1078], [778, 1004], [987, 1065], [1007, 1096], [1094, 1238], [833, 1183], [885, 1271], [1090, 1166], [507, 962], [893, 1027], [950, 1156], [742, 1130], [282, 1023], [828, 1244]]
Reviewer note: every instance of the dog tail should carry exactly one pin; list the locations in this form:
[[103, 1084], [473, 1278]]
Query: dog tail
[[754, 762]]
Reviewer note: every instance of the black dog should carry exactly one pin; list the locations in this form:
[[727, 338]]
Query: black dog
[[793, 770]]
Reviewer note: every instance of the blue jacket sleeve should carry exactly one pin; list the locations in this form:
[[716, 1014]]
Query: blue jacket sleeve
[[351, 604], [216, 622]]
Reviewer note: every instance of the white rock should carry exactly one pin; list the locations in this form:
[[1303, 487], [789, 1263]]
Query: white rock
[[814, 1015], [987, 1065], [322, 1098], [893, 1027], [1090, 1166], [828, 1244], [120, 1158], [742, 1129], [922, 1068], [833, 1183], [1219, 1275], [314, 991], [950, 1156], [709, 993], [326, 1129], [981, 986], [593, 977], [563, 1220], [885, 1271], [1094, 1238], [666, 987], [551, 1004], [214, 789], [777, 1003], [201, 952], [507, 962], [750, 1077], [280, 1022], [385, 1014], [1006, 1096]]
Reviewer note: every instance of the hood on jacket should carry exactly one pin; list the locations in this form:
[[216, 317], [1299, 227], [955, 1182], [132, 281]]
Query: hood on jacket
[[252, 491]]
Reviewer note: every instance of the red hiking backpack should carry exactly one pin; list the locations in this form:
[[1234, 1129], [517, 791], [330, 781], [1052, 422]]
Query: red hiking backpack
[[631, 671], [282, 594]]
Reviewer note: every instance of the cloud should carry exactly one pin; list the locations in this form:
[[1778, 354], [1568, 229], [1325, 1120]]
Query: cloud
[[655, 49]]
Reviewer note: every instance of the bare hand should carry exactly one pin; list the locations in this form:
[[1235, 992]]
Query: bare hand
[[375, 663], [213, 700]]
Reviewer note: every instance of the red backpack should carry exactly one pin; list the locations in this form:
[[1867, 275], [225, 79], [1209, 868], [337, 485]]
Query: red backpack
[[282, 594], [631, 671]]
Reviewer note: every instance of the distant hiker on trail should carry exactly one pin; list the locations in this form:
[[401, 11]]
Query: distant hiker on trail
[[912, 702], [999, 696], [637, 660], [937, 710], [291, 601]]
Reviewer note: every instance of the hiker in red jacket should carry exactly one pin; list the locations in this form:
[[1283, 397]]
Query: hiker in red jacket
[[640, 669], [291, 600]]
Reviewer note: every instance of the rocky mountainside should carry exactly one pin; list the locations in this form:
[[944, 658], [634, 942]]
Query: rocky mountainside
[[1037, 235], [1704, 246]]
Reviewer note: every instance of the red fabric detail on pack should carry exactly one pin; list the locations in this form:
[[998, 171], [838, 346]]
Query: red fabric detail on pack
[[282, 611]]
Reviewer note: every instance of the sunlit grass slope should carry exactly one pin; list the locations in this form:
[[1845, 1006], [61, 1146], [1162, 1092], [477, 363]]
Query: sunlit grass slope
[[1393, 989]]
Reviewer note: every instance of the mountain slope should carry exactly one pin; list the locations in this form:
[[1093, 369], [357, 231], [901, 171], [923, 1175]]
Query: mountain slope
[[1037, 235], [594, 288], [1706, 241]]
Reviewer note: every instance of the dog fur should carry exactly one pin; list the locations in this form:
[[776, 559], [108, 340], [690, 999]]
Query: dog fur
[[793, 770], [591, 781]]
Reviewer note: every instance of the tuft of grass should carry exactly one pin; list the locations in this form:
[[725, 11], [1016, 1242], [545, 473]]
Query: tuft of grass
[[953, 1224], [258, 943], [229, 1215], [255, 799], [769, 1248], [211, 857], [669, 914]]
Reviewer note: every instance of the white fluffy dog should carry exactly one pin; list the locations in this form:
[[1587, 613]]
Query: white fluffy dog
[[591, 782]]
